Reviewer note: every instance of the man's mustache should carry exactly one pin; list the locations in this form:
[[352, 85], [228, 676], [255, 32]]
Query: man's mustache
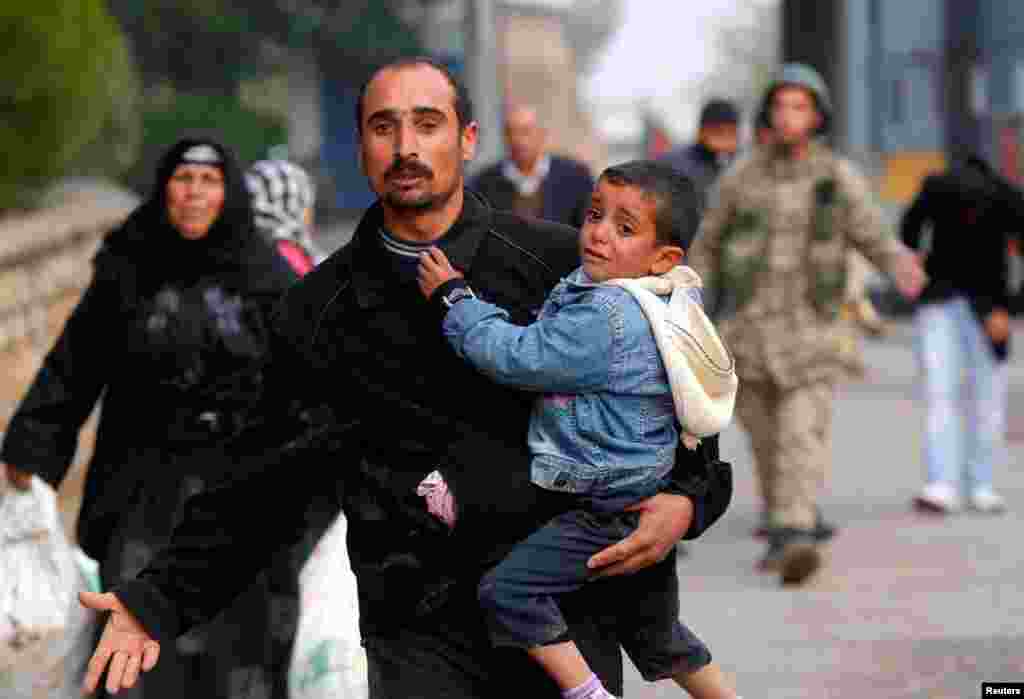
[[409, 167]]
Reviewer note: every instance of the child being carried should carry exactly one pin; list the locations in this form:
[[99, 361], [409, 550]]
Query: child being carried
[[628, 365]]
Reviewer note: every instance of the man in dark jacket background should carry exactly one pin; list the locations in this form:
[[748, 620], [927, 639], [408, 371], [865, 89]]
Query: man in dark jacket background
[[533, 182], [717, 141], [355, 337], [963, 325]]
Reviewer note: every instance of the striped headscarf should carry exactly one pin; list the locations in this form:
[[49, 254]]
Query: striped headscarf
[[281, 193]]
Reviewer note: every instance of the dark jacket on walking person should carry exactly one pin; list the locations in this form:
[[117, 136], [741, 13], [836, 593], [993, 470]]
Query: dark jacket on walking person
[[699, 163], [705, 159], [562, 196], [531, 181], [161, 318], [972, 212]]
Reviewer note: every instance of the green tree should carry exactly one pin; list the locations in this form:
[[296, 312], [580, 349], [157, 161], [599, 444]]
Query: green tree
[[211, 46], [198, 46], [65, 67]]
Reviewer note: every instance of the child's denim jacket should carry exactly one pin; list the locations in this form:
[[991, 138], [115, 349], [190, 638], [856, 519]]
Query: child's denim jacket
[[605, 421]]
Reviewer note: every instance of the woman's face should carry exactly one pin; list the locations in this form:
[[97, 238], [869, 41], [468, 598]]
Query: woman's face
[[195, 198]]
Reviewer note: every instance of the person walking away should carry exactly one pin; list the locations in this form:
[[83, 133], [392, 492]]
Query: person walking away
[[532, 181], [963, 327], [774, 242], [713, 151]]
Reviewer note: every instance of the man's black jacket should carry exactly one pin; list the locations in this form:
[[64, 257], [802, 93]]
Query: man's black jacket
[[973, 213], [350, 337], [566, 190]]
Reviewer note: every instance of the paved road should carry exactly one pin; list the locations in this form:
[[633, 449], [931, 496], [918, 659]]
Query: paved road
[[908, 607]]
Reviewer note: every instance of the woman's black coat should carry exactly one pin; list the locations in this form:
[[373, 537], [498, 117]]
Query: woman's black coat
[[161, 318]]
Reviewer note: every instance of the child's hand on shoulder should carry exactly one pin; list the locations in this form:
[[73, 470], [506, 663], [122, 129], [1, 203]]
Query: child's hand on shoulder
[[435, 270]]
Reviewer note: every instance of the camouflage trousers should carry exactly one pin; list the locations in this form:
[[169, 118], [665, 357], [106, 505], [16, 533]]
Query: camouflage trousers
[[791, 438]]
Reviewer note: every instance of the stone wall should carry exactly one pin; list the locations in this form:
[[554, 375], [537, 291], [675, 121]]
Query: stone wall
[[45, 263]]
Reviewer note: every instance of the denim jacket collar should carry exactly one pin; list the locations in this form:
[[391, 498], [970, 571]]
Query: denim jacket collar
[[579, 278]]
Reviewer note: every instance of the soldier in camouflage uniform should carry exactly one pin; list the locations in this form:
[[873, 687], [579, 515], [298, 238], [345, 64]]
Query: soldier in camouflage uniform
[[774, 243]]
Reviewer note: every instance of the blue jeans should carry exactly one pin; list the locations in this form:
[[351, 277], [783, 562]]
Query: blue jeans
[[950, 342], [519, 595]]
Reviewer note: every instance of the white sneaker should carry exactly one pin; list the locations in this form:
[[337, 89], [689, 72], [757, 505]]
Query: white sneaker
[[987, 501], [940, 498]]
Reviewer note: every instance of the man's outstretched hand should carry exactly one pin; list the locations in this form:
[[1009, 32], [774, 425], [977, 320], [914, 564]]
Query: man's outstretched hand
[[435, 270], [125, 646], [664, 520]]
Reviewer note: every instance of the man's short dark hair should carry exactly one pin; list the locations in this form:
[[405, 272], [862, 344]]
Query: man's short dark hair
[[676, 212], [463, 103]]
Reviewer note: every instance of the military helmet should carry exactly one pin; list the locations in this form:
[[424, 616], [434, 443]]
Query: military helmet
[[800, 75]]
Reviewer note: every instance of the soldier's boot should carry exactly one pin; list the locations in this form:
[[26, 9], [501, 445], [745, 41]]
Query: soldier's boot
[[793, 553], [801, 558]]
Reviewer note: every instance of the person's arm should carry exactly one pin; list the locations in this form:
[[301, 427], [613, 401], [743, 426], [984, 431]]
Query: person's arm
[[990, 297], [227, 535], [232, 531], [42, 436], [868, 234], [698, 494], [568, 352]]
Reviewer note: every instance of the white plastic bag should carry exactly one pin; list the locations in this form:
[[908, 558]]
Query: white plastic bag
[[46, 637], [328, 661]]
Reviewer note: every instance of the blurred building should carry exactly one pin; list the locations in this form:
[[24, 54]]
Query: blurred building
[[916, 80], [623, 129], [543, 47]]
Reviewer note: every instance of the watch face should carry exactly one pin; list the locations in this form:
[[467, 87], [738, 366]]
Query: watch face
[[456, 295]]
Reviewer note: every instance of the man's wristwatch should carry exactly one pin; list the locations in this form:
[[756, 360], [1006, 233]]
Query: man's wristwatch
[[449, 294], [456, 294]]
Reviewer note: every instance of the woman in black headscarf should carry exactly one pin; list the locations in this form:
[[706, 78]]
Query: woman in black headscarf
[[170, 333]]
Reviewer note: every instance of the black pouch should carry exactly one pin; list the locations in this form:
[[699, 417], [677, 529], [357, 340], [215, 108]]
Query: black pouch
[[707, 478]]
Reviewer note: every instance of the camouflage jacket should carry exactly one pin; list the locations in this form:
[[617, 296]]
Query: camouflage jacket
[[772, 248]]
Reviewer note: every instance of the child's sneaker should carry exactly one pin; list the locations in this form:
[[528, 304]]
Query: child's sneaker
[[987, 501], [938, 498]]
